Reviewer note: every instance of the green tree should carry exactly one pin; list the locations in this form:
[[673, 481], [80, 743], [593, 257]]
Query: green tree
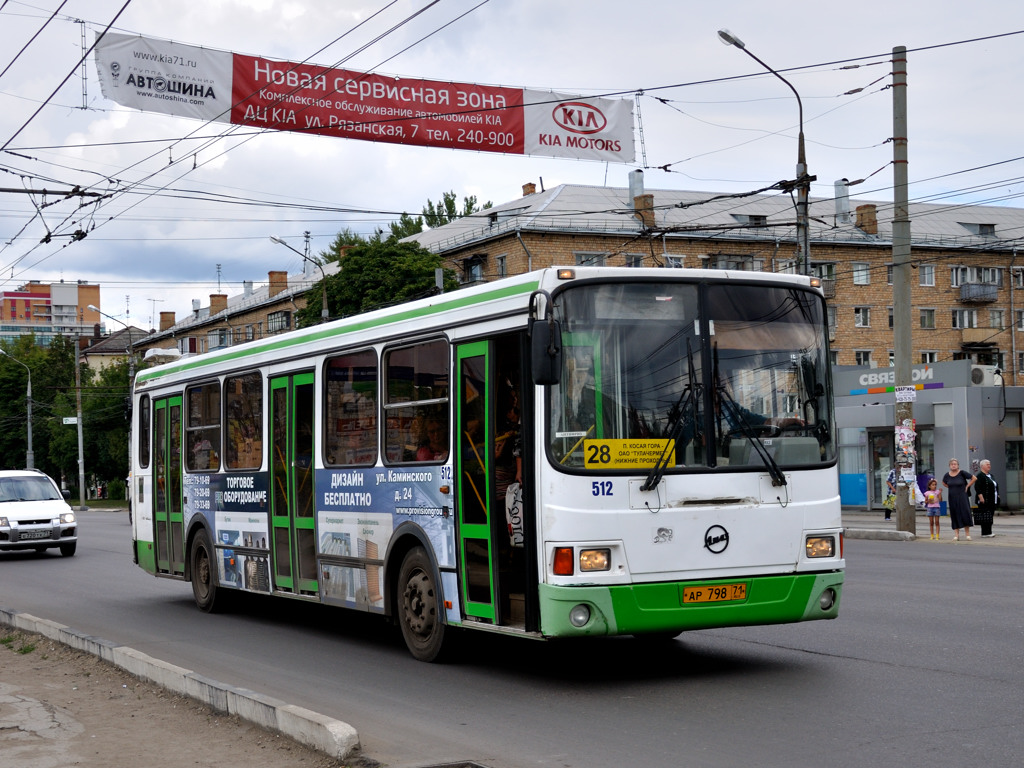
[[406, 225], [377, 274], [446, 209]]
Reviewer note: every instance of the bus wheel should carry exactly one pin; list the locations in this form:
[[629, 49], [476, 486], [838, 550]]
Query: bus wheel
[[204, 578], [422, 627]]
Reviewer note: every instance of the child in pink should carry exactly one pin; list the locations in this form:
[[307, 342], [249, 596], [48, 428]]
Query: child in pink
[[933, 502]]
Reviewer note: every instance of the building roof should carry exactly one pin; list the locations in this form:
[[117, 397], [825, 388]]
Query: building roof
[[609, 210], [248, 300], [117, 343]]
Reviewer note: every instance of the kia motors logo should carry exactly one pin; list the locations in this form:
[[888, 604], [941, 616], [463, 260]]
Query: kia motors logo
[[579, 117], [716, 539]]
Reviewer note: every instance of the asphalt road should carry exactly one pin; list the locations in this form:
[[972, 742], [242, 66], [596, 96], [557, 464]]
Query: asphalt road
[[923, 667]]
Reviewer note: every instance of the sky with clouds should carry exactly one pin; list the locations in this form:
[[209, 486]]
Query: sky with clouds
[[712, 119]]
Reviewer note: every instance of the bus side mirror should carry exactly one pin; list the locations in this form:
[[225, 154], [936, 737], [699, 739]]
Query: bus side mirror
[[546, 351]]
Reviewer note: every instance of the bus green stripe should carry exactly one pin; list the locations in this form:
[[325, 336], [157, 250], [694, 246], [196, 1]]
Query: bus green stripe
[[642, 608], [357, 324]]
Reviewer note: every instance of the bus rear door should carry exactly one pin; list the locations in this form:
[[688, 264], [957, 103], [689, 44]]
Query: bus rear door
[[292, 514]]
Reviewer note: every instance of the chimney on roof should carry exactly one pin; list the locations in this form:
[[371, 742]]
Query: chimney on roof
[[218, 303], [196, 304], [166, 320], [842, 190], [529, 188], [867, 218], [278, 282], [247, 288], [643, 209]]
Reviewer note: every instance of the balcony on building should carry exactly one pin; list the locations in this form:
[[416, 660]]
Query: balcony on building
[[828, 287], [979, 337], [978, 293]]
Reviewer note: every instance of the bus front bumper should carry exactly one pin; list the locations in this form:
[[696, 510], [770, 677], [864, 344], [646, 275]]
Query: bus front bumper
[[659, 608]]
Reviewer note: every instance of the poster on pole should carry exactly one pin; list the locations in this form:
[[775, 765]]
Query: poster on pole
[[206, 84]]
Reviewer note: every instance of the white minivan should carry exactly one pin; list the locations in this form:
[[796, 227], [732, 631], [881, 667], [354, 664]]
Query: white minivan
[[34, 514]]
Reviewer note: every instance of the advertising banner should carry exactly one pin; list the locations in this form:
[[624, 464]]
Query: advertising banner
[[189, 81]]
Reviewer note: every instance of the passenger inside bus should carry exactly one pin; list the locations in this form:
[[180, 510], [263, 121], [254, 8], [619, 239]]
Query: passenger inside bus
[[434, 445]]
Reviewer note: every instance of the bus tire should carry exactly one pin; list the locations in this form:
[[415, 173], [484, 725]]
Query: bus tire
[[418, 615], [204, 574]]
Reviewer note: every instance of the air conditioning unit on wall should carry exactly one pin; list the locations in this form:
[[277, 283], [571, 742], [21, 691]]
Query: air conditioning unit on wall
[[986, 376]]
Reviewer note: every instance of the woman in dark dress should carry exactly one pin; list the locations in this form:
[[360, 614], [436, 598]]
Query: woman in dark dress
[[958, 483]]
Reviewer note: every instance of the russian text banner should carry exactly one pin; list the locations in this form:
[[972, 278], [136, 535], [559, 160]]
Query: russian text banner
[[188, 81]]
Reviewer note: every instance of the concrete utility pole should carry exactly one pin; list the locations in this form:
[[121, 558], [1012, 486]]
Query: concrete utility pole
[[905, 460]]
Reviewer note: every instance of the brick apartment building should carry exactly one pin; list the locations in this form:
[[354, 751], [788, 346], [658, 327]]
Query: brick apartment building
[[966, 297]]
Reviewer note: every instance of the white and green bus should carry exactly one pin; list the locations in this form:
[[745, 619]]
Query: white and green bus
[[566, 453]]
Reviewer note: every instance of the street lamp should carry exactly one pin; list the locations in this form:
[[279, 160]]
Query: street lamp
[[803, 181], [30, 456], [324, 313]]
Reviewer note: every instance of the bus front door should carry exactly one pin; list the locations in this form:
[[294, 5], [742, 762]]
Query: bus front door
[[292, 511], [168, 520], [492, 565]]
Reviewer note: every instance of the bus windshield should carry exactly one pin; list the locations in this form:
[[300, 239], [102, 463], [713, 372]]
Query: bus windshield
[[691, 376]]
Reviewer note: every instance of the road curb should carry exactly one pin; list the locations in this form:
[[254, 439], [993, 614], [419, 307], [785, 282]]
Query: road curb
[[878, 534], [332, 737]]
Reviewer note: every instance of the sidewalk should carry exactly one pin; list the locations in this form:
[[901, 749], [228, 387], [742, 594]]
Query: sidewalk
[[863, 524]]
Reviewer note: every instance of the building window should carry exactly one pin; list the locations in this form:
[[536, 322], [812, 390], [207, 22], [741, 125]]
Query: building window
[[250, 333], [590, 259], [891, 321], [862, 317], [279, 321], [928, 319], [926, 273], [833, 321], [861, 273], [218, 337], [965, 318], [892, 358], [634, 260], [862, 356], [888, 274], [972, 275], [824, 271], [996, 319], [501, 264], [739, 263], [673, 262], [833, 357], [929, 357]]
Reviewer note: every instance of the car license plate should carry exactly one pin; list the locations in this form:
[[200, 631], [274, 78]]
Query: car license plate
[[714, 593], [45, 534]]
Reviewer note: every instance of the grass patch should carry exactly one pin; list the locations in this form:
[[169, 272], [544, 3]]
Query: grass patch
[[7, 640], [27, 648]]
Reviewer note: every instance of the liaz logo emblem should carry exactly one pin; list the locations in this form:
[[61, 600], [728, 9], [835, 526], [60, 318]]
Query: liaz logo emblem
[[716, 539], [579, 117]]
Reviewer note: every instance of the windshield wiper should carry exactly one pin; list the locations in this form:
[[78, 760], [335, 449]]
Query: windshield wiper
[[737, 417], [688, 400]]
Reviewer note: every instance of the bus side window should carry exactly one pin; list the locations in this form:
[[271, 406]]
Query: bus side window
[[202, 428], [416, 403], [350, 409], [243, 397]]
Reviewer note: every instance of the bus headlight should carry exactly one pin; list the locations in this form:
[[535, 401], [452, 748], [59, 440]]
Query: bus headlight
[[595, 559], [579, 615], [827, 599], [821, 546]]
